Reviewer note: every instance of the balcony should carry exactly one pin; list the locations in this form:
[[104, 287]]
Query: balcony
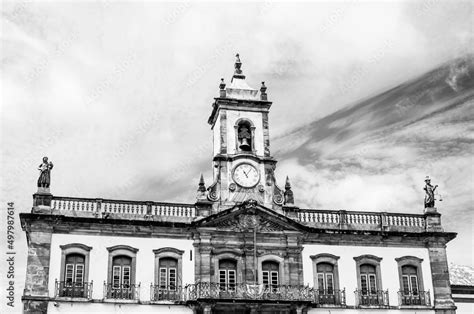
[[122, 292], [377, 298], [206, 290], [330, 297], [176, 294], [67, 289], [421, 298]]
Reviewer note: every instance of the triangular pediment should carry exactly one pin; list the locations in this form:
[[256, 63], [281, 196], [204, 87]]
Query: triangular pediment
[[247, 216]]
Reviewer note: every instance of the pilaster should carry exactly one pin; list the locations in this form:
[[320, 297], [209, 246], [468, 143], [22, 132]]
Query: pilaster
[[39, 238], [443, 302]]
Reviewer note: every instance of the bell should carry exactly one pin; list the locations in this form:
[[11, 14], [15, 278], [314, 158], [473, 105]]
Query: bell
[[244, 145]]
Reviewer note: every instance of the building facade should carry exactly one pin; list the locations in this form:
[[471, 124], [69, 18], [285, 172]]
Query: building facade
[[242, 247]]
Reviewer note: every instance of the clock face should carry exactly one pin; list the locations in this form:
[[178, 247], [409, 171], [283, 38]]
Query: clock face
[[246, 175]]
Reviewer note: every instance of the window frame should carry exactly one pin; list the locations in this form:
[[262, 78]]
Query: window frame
[[414, 262], [252, 134], [75, 248], [282, 280], [329, 259], [229, 254], [168, 252], [124, 250], [370, 260]]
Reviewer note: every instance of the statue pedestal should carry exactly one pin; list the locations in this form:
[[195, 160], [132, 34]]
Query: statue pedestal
[[430, 210], [42, 200], [433, 220]]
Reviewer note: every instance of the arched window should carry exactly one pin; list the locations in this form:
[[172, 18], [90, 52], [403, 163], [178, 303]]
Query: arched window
[[244, 133], [368, 279], [227, 274], [325, 273], [168, 273], [326, 278], [410, 280], [74, 269], [270, 274], [121, 271], [73, 282]]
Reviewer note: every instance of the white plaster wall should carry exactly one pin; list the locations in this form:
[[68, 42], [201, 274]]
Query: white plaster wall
[[99, 259], [348, 273], [256, 118], [465, 308], [76, 307]]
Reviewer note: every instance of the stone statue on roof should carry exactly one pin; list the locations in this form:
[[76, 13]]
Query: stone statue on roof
[[429, 190], [44, 179]]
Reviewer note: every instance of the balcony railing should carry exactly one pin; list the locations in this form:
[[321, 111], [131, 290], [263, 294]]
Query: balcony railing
[[377, 298], [121, 208], [331, 297], [73, 289], [122, 292], [422, 298], [159, 294], [341, 219], [206, 290]]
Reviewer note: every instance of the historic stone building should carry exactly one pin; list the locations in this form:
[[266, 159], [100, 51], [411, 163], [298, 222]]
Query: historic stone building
[[242, 247]]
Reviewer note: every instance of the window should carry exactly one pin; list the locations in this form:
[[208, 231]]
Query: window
[[325, 278], [74, 271], [121, 274], [244, 136], [270, 274], [168, 275], [411, 282], [227, 275], [168, 269], [121, 269], [369, 279]]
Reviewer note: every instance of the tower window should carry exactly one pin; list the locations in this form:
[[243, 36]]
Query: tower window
[[244, 136]]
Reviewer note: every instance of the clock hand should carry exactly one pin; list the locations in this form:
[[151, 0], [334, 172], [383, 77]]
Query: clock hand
[[245, 174]]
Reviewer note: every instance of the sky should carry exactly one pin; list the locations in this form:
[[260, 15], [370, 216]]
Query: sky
[[117, 94]]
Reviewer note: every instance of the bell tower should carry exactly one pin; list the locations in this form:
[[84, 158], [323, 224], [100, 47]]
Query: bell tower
[[243, 166]]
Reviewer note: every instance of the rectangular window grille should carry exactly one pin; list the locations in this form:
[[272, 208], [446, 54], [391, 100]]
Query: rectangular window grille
[[222, 279], [116, 278], [172, 279], [414, 285], [329, 284], [363, 284], [162, 279], [321, 285], [126, 276], [274, 278], [372, 283], [69, 273], [79, 276], [265, 278], [406, 285], [231, 279]]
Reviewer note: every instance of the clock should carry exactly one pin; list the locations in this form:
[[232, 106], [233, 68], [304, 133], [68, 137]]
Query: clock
[[246, 175]]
